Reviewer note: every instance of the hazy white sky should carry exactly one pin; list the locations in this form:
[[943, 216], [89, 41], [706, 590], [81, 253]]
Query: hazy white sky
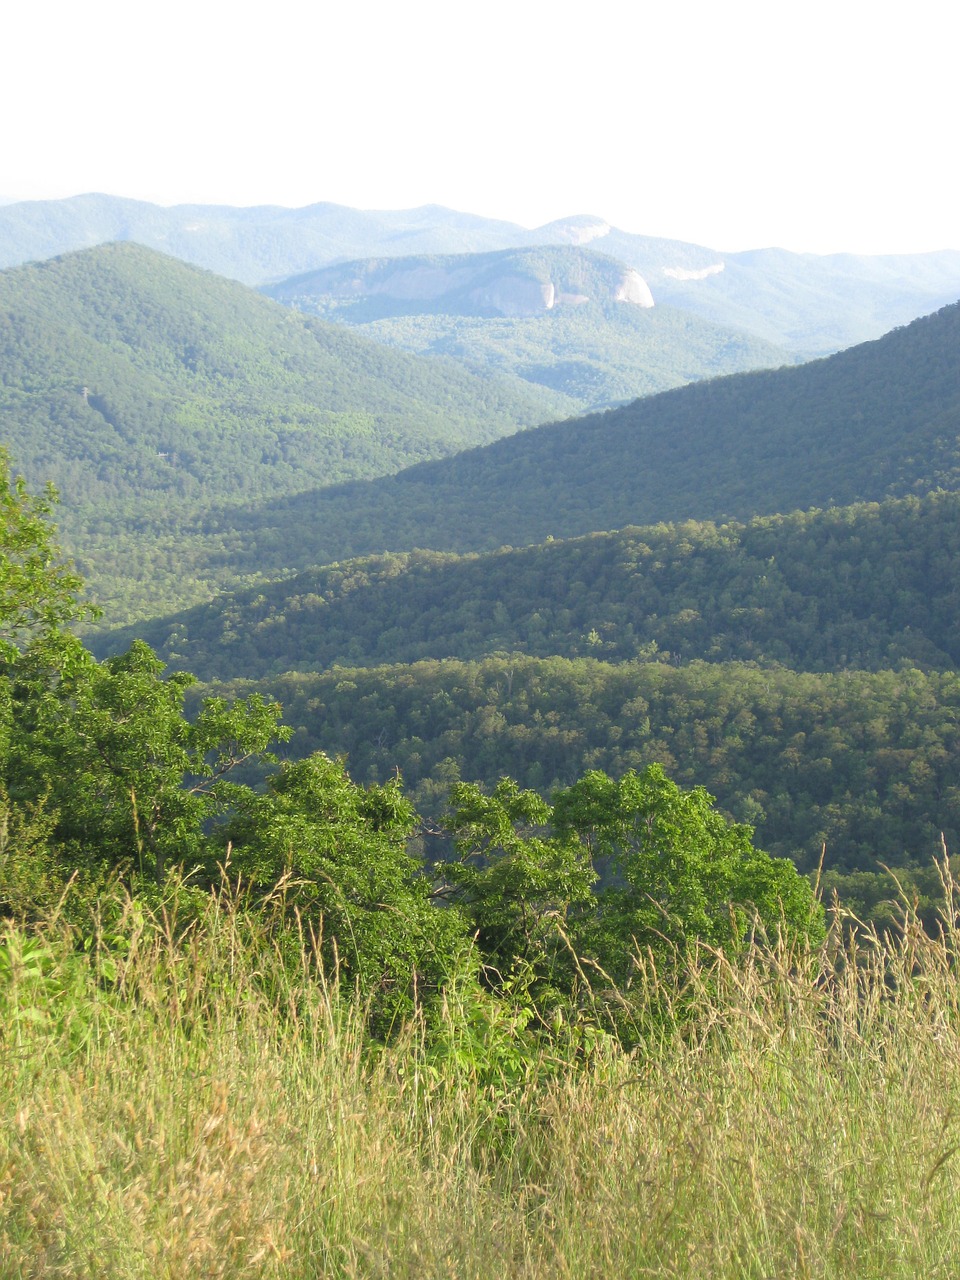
[[820, 126]]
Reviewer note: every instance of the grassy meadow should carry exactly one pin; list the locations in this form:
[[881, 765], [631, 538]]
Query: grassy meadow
[[190, 1097]]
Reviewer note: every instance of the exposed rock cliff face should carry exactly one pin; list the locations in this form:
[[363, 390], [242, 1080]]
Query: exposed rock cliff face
[[521, 296], [512, 283], [633, 288]]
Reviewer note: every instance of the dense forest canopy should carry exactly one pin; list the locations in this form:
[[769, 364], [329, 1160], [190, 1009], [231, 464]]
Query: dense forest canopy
[[862, 762], [863, 587]]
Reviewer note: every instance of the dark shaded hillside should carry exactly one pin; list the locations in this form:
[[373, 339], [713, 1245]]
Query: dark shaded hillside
[[862, 587], [880, 420]]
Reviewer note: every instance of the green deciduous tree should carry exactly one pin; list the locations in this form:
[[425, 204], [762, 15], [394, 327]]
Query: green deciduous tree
[[518, 880], [677, 870], [39, 590], [345, 849], [131, 778]]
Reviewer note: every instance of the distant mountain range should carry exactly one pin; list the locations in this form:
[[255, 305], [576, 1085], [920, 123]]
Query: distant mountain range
[[502, 283], [804, 302], [558, 316]]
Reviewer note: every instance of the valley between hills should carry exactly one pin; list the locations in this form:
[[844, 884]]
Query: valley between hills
[[471, 503]]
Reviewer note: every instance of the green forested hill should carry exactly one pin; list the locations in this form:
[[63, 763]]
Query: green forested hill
[[126, 373], [866, 587], [148, 390], [597, 354], [557, 316]]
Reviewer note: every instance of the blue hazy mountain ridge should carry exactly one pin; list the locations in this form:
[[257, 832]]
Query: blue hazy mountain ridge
[[805, 302], [252, 245], [560, 316]]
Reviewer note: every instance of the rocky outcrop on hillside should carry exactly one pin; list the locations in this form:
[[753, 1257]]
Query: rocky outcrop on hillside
[[511, 283]]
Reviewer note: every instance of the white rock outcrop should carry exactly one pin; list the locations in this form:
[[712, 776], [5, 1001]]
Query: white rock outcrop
[[633, 288], [581, 232], [688, 273]]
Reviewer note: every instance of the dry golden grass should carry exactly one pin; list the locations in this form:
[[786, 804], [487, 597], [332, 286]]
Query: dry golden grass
[[203, 1114]]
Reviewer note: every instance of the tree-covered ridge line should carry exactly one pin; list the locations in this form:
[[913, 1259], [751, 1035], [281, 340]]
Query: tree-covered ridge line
[[127, 376], [553, 316], [867, 586], [874, 422], [862, 762]]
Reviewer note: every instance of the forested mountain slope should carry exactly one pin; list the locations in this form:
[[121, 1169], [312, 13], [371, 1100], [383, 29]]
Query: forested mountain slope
[[877, 421], [866, 587], [562, 317], [142, 386], [863, 762]]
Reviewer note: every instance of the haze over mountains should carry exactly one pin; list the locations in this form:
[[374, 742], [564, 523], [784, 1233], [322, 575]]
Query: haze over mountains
[[562, 317], [803, 302]]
